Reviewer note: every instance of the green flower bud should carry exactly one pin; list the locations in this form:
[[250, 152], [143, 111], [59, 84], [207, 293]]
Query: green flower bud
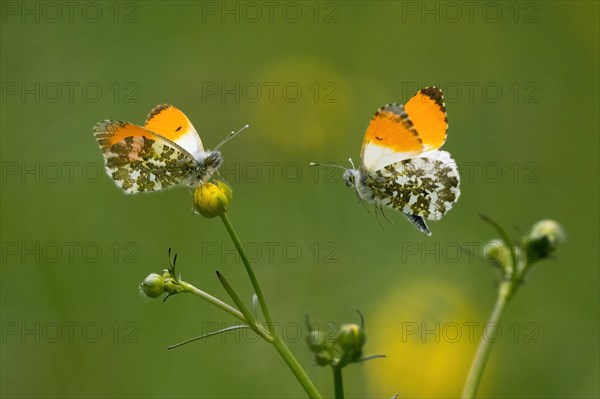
[[316, 341], [324, 358], [549, 229], [212, 199], [351, 337], [355, 356], [153, 286], [544, 239], [497, 252], [172, 287]]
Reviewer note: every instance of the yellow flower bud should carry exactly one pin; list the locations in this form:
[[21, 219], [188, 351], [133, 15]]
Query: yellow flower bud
[[153, 286], [212, 199]]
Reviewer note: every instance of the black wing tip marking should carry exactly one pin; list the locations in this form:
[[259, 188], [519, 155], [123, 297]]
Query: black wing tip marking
[[108, 125], [395, 108], [157, 110], [398, 114], [435, 93]]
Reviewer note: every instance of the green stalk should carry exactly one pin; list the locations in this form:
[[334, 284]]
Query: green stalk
[[338, 383], [292, 362], [238, 245], [215, 301], [485, 346], [259, 329], [278, 343]]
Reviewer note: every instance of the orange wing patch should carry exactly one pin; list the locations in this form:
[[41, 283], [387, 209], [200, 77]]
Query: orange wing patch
[[427, 112], [390, 138], [172, 124], [391, 127], [168, 121], [139, 161], [109, 133]]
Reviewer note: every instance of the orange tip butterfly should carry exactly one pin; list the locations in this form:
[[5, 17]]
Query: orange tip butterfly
[[166, 152], [401, 165]]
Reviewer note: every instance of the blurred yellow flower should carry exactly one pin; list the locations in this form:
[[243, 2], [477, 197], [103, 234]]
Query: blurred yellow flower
[[429, 334]]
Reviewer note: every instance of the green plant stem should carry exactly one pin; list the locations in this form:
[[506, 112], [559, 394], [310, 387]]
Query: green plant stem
[[261, 298], [276, 341], [338, 383], [292, 362], [215, 301], [260, 330], [485, 346]]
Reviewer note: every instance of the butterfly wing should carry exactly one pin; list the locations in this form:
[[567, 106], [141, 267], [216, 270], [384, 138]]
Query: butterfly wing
[[398, 132], [419, 223], [139, 160], [427, 111], [172, 124], [426, 186], [390, 138]]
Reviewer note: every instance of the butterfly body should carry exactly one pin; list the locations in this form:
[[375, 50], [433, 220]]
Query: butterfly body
[[166, 152], [401, 165]]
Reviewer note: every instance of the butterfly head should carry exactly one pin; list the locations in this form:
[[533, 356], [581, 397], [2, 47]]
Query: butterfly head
[[208, 166], [350, 177], [213, 160]]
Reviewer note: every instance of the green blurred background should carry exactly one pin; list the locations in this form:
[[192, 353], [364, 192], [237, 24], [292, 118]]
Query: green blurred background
[[521, 86]]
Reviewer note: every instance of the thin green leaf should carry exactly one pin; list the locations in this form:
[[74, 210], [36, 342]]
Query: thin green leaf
[[371, 357], [239, 327], [255, 305], [362, 318], [236, 299]]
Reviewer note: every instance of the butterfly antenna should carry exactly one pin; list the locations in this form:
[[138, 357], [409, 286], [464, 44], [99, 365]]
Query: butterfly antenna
[[351, 163], [327, 165], [230, 136]]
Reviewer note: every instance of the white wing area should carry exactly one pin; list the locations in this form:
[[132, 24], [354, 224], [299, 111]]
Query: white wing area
[[171, 123], [435, 174], [190, 141], [427, 186], [375, 157], [438, 155]]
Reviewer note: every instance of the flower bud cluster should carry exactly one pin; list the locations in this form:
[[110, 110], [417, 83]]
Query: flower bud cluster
[[345, 348]]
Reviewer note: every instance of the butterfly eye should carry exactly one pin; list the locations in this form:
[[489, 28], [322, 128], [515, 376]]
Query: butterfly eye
[[214, 159], [349, 178]]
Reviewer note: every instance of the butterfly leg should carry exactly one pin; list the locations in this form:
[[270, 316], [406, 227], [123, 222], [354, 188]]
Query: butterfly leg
[[377, 215], [384, 215]]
